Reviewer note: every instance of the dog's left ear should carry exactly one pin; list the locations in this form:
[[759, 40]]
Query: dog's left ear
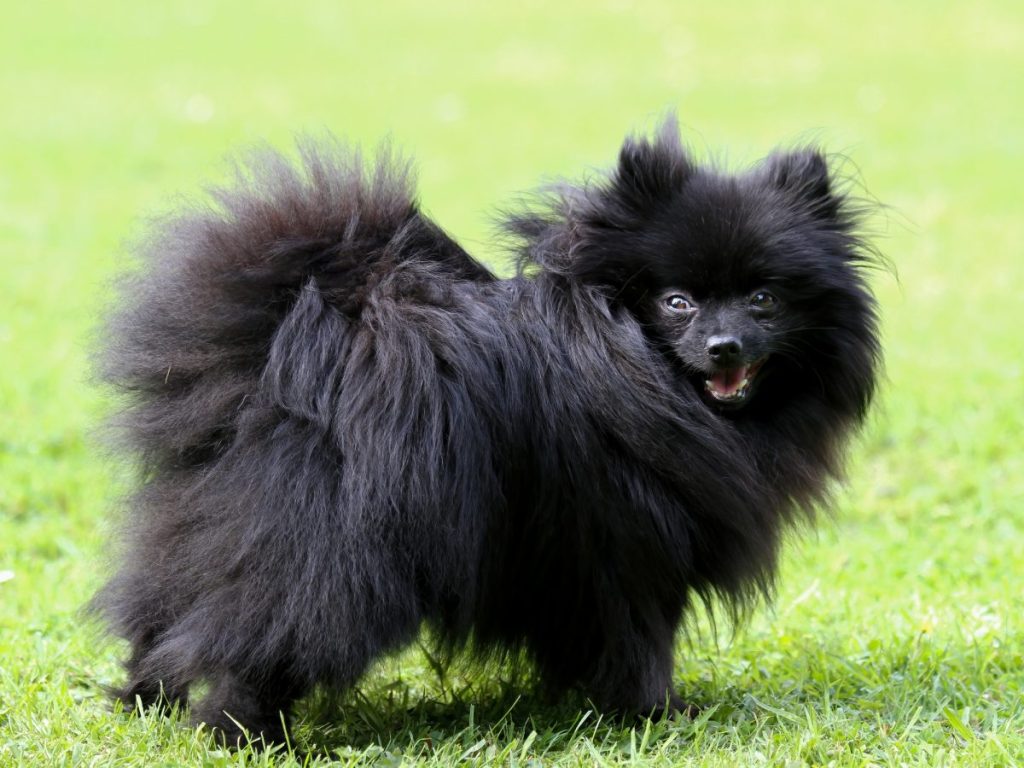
[[805, 175]]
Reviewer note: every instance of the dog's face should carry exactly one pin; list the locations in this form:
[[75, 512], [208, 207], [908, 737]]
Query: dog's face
[[751, 286], [739, 283], [722, 343]]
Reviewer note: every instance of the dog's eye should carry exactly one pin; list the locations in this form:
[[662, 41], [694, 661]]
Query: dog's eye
[[763, 300], [679, 303]]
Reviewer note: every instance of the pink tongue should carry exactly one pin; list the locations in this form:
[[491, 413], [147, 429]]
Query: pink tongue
[[727, 382]]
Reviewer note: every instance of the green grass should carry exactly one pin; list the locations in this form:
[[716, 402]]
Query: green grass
[[896, 637]]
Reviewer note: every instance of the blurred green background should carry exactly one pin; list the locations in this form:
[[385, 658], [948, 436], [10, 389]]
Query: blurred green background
[[896, 636]]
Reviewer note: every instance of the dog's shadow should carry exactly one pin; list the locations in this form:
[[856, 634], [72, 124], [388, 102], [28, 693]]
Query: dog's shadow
[[454, 717], [499, 712], [402, 718]]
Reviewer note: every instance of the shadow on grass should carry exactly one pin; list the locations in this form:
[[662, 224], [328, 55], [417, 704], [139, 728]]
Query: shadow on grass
[[418, 718], [910, 685], [808, 694]]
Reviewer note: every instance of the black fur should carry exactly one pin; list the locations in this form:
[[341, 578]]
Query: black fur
[[347, 427]]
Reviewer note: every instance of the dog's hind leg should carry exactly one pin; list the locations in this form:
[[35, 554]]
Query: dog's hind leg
[[144, 689], [239, 710]]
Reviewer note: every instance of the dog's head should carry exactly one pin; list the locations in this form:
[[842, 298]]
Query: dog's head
[[742, 280]]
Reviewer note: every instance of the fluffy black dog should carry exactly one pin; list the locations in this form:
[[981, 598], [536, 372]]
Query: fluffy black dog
[[347, 427]]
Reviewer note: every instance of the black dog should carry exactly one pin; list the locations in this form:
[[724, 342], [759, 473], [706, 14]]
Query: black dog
[[347, 427]]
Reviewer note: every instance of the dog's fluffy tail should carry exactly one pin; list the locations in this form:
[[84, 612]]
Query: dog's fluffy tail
[[195, 322]]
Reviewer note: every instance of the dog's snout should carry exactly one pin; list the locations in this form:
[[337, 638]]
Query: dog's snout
[[725, 350]]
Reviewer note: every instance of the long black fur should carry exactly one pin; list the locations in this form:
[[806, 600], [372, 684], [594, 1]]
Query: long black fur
[[347, 427]]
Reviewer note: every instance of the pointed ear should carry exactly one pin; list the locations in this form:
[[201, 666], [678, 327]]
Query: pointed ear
[[650, 171], [804, 174]]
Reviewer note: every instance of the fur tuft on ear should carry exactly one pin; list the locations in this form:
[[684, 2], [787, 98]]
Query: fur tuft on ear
[[652, 169], [561, 221], [804, 173]]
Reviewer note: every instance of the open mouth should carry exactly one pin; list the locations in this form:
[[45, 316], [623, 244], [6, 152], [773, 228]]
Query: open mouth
[[732, 385]]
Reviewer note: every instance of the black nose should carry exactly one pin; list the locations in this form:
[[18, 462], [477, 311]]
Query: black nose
[[725, 350]]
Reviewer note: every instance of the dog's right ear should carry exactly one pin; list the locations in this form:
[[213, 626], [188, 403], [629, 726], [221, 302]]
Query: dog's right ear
[[651, 171]]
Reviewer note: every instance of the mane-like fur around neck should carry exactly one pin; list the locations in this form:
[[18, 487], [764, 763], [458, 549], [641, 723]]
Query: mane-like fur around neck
[[348, 427]]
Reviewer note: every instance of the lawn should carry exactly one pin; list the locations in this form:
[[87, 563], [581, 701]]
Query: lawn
[[896, 636]]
